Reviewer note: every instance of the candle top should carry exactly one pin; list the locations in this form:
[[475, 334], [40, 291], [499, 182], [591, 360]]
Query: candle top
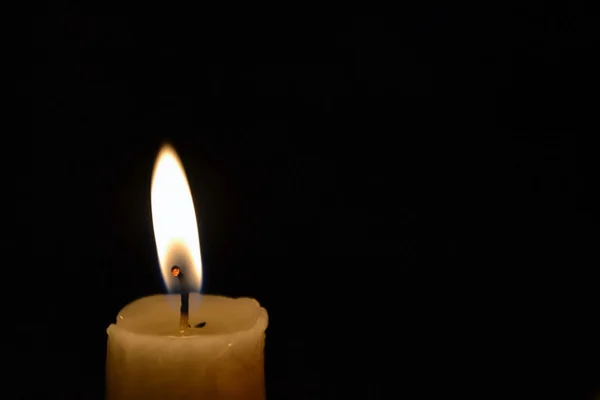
[[158, 315]]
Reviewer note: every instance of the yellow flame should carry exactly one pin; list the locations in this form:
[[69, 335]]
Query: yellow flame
[[174, 221]]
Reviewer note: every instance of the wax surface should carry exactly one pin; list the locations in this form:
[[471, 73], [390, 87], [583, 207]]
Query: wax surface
[[148, 357]]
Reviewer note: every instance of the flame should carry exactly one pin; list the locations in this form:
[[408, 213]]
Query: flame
[[174, 221]]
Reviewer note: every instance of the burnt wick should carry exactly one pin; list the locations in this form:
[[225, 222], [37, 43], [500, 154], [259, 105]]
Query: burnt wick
[[185, 300]]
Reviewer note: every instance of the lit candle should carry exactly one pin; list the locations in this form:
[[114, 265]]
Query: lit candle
[[184, 345]]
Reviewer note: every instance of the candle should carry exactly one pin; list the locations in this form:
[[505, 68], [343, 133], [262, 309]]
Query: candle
[[147, 358], [184, 345]]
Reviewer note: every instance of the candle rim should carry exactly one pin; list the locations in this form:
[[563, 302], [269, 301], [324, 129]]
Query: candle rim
[[260, 323]]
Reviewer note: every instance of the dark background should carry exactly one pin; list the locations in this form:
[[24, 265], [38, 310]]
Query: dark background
[[402, 192]]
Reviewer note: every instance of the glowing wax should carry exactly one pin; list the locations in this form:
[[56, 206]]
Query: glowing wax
[[149, 358]]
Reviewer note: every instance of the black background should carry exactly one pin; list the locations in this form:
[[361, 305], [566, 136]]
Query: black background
[[402, 192]]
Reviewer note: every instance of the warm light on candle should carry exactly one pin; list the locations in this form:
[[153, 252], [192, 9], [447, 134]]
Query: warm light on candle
[[174, 220]]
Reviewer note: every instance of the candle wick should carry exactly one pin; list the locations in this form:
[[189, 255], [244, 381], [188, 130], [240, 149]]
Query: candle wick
[[184, 316], [185, 299]]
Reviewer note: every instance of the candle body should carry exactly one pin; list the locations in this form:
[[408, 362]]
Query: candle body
[[148, 357]]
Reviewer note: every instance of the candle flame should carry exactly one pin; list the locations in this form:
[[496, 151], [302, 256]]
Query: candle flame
[[174, 221]]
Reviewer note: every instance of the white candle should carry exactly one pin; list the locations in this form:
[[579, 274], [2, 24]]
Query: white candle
[[151, 354], [148, 358]]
